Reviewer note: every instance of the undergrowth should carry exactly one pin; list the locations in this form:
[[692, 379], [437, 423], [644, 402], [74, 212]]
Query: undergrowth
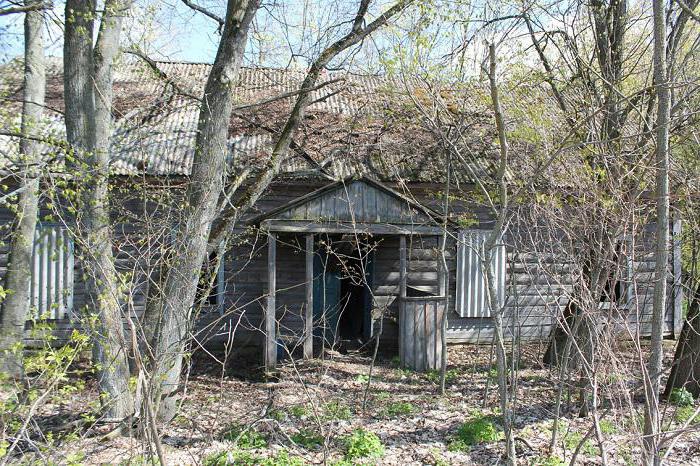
[[480, 429]]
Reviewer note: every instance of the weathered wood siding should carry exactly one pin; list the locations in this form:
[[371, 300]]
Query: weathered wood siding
[[534, 293]]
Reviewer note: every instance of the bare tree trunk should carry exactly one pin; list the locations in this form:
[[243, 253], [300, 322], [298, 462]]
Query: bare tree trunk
[[196, 228], [296, 117], [685, 372], [200, 209], [15, 307], [652, 425], [495, 304], [88, 97]]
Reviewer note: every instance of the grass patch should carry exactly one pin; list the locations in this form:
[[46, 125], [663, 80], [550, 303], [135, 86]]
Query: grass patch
[[363, 444], [383, 396], [335, 410], [684, 413], [573, 438], [241, 457], [400, 408], [608, 427], [362, 378], [451, 376], [547, 461], [299, 411], [244, 438], [307, 439], [481, 429], [278, 415]]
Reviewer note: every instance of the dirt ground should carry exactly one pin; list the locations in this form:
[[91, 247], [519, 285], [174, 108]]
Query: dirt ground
[[305, 415]]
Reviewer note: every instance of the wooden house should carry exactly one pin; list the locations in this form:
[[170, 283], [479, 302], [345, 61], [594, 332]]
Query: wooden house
[[346, 244]]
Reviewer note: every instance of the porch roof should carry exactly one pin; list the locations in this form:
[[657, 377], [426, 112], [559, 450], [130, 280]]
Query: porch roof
[[360, 205]]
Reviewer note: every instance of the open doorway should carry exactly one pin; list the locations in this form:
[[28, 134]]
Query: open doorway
[[342, 293]]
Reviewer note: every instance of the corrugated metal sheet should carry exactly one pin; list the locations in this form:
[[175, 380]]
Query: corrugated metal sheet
[[155, 127], [51, 293], [471, 299]]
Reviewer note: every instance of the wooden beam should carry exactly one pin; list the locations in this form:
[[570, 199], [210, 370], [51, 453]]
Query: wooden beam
[[270, 314], [403, 347], [306, 226], [309, 319]]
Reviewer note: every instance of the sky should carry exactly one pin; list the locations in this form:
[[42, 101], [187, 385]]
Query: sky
[[285, 32], [170, 28]]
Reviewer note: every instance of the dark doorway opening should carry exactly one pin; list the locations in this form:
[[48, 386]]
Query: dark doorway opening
[[342, 293], [354, 293]]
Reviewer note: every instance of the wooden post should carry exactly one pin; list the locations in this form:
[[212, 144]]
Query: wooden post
[[442, 268], [309, 320], [270, 315], [402, 298]]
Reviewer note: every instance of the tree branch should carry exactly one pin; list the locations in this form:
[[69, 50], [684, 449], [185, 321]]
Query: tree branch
[[684, 6], [205, 12], [25, 9]]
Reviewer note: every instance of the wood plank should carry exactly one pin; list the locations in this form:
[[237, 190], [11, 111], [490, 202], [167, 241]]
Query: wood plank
[[303, 226], [405, 341], [356, 193], [308, 327], [419, 309], [430, 329], [369, 201], [439, 316], [270, 316]]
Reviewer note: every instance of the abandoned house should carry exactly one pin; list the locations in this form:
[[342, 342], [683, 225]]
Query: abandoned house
[[344, 246]]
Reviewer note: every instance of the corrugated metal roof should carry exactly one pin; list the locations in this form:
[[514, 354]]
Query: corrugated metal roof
[[347, 130]]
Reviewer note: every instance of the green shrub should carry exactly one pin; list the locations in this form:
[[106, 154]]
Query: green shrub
[[363, 444], [684, 413], [298, 411], [245, 439], [362, 378], [400, 408], [307, 439], [477, 430], [681, 397], [608, 427], [573, 438], [278, 415], [239, 457], [335, 410], [547, 461], [451, 376], [383, 396]]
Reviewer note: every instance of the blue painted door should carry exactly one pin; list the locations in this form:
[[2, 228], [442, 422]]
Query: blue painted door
[[326, 300]]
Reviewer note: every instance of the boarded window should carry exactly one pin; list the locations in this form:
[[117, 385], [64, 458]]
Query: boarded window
[[51, 293], [471, 300]]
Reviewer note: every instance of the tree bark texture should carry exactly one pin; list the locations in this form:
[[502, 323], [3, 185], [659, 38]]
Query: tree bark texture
[[495, 303], [652, 426], [196, 226], [201, 200], [685, 372], [15, 307], [88, 97]]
